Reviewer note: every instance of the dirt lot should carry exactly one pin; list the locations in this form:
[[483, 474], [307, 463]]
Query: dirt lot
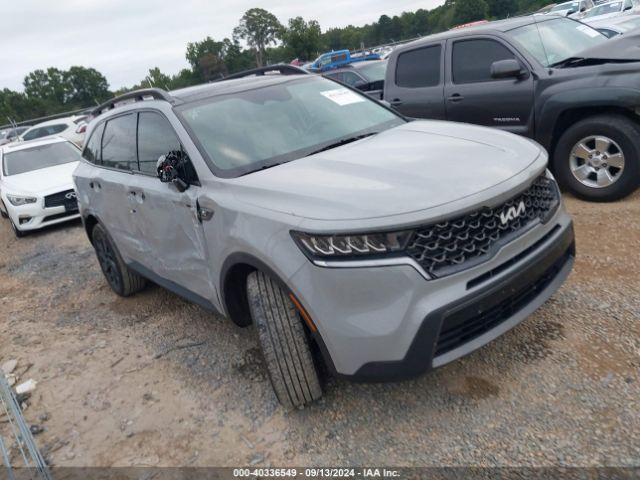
[[153, 380]]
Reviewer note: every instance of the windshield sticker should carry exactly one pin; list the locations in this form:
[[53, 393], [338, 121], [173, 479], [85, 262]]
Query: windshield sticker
[[589, 31], [342, 96]]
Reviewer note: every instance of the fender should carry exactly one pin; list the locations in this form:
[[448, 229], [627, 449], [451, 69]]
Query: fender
[[558, 103], [237, 258]]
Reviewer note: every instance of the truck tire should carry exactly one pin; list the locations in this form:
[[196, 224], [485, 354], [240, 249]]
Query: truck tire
[[121, 278], [598, 158], [284, 342]]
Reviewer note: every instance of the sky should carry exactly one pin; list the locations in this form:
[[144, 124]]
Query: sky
[[124, 39]]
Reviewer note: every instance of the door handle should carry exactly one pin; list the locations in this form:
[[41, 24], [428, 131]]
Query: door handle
[[95, 186], [456, 97]]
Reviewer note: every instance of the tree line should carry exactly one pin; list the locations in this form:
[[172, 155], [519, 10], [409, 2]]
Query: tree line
[[258, 39]]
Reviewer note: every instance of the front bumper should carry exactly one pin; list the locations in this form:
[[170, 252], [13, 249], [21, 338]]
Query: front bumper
[[388, 323], [35, 215]]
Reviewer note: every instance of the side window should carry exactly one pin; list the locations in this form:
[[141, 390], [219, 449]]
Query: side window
[[419, 68], [119, 143], [472, 59], [156, 137], [92, 151], [53, 129], [35, 133], [351, 78]]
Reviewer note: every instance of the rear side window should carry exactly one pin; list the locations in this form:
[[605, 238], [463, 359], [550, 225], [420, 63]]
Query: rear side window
[[119, 143], [92, 150], [35, 133], [472, 59], [156, 137], [419, 68]]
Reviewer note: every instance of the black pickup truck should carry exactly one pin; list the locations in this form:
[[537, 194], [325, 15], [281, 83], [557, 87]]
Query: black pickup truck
[[552, 79]]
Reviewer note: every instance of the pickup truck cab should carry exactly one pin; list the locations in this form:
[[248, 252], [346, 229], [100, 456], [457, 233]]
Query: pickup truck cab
[[549, 78]]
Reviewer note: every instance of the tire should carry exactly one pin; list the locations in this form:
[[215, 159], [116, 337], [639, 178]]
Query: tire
[[120, 278], [18, 233], [589, 172], [284, 342], [3, 212]]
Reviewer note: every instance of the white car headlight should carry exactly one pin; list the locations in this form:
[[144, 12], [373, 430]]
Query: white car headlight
[[18, 200]]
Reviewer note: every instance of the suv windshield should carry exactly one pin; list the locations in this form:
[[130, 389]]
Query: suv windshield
[[556, 40], [374, 71], [43, 156], [612, 7], [258, 128]]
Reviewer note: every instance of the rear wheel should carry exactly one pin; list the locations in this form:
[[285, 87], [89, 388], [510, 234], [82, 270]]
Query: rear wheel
[[598, 158], [284, 342], [121, 279]]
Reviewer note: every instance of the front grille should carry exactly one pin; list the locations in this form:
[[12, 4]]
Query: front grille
[[455, 333], [453, 245], [59, 199]]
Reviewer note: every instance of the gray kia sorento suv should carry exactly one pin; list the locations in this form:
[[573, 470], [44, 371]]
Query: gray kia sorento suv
[[346, 234]]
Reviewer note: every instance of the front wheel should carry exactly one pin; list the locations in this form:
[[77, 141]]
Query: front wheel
[[121, 278], [284, 343], [598, 158], [18, 233]]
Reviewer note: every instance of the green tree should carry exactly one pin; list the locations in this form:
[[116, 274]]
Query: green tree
[[197, 50], [47, 85], [84, 87], [302, 39], [465, 11], [259, 28]]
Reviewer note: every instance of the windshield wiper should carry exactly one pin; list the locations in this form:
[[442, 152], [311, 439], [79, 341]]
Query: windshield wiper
[[341, 142], [263, 167], [567, 62]]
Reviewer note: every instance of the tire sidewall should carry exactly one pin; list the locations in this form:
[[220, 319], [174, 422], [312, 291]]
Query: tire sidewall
[[618, 129], [100, 231]]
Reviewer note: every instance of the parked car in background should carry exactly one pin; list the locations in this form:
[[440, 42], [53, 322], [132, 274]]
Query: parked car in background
[[36, 187], [11, 134], [546, 9], [552, 79], [610, 9], [611, 27], [72, 128], [365, 76], [345, 233], [573, 9]]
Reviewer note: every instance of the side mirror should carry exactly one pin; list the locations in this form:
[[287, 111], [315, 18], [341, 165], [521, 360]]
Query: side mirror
[[583, 9], [628, 7], [170, 167], [509, 68]]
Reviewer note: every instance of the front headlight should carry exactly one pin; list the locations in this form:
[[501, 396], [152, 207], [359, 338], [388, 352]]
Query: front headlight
[[352, 245], [19, 200]]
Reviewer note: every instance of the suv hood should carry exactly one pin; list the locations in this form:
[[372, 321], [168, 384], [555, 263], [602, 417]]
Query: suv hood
[[41, 181], [416, 166]]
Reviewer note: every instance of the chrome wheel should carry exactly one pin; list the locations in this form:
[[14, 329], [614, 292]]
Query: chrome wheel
[[596, 161]]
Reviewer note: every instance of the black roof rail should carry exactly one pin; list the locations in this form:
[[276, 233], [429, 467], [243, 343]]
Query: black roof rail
[[136, 96], [282, 68]]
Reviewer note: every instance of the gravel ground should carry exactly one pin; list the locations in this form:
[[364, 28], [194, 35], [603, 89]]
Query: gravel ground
[[153, 380]]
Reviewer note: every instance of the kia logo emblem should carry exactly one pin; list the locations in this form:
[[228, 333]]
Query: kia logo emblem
[[71, 196], [512, 213]]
